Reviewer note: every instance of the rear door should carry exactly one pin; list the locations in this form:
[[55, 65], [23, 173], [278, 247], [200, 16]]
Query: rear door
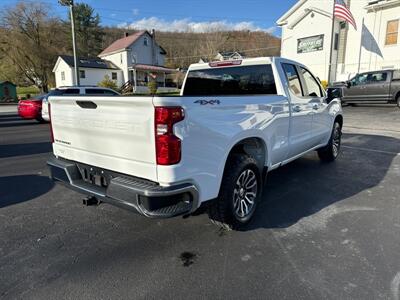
[[301, 113], [377, 87], [114, 133], [321, 120]]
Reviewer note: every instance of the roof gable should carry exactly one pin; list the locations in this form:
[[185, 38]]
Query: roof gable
[[282, 20], [123, 43]]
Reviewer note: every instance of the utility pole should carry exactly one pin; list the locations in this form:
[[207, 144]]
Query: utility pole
[[70, 3], [332, 44]]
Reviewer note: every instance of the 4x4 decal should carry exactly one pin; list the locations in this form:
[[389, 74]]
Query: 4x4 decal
[[206, 102]]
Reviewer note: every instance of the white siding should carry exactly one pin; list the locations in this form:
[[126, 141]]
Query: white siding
[[143, 54], [318, 61], [94, 76], [311, 25], [64, 67], [120, 59]]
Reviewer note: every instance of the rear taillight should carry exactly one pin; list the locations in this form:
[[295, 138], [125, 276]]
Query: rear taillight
[[51, 126], [168, 145]]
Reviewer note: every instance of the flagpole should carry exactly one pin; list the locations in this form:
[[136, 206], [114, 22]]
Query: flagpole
[[359, 54], [332, 42]]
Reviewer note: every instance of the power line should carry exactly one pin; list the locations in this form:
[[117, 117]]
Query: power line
[[246, 50]]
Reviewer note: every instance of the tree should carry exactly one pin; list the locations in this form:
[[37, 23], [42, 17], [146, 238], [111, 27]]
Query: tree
[[28, 43], [89, 33]]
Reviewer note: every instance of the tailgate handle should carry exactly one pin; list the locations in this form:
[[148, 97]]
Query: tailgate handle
[[87, 104]]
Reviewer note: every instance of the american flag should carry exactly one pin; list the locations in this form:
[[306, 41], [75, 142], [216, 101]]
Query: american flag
[[342, 12]]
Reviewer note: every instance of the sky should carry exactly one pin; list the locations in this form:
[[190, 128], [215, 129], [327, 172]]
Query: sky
[[183, 15]]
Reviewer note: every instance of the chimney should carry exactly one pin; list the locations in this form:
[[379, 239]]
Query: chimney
[[126, 34]]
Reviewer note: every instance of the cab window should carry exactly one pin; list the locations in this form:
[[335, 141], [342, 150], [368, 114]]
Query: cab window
[[377, 77], [359, 79], [313, 87], [293, 79]]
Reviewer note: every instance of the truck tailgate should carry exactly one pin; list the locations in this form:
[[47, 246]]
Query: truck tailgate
[[114, 133]]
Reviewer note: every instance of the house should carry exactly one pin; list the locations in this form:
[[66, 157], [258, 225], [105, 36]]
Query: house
[[91, 71], [131, 61], [229, 55], [8, 91], [221, 56], [375, 45]]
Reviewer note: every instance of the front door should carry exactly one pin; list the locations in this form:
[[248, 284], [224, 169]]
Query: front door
[[301, 113], [355, 92]]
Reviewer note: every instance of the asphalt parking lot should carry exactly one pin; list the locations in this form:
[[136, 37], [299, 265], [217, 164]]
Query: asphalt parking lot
[[322, 231]]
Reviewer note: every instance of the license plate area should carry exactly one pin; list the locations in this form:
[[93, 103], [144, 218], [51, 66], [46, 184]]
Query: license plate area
[[94, 175]]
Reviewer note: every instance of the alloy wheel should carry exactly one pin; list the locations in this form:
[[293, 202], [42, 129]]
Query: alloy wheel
[[337, 135], [244, 194]]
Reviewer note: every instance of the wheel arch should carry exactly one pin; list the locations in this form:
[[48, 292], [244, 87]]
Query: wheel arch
[[339, 119], [252, 146]]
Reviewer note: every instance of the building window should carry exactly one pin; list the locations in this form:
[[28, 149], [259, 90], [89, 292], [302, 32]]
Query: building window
[[146, 41], [82, 74], [62, 75], [392, 32], [114, 76]]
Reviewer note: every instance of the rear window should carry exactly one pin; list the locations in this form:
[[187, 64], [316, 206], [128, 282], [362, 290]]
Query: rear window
[[396, 75], [100, 92], [244, 80], [71, 92]]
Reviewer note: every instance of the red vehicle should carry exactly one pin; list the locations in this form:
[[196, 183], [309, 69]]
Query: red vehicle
[[31, 108]]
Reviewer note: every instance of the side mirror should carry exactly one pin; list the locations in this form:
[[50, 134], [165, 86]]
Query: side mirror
[[348, 84], [333, 93]]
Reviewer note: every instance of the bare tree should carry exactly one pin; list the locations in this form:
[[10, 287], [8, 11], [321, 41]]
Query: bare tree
[[29, 42]]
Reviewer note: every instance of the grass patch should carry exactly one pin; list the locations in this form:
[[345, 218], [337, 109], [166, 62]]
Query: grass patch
[[22, 91]]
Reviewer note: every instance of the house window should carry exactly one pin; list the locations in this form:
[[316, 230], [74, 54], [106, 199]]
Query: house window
[[392, 31], [62, 75], [146, 41], [82, 74], [114, 76]]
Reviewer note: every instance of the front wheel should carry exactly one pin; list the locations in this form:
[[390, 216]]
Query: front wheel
[[331, 151], [398, 101], [239, 194]]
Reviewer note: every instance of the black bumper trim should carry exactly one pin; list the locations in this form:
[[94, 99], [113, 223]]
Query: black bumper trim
[[128, 192]]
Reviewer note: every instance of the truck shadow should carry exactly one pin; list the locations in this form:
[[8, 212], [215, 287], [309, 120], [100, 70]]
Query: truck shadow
[[306, 186], [12, 150], [22, 188]]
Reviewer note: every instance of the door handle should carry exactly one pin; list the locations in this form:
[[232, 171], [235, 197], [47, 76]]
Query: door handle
[[297, 108]]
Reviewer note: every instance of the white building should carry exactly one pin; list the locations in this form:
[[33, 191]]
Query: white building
[[131, 62], [91, 71], [306, 37]]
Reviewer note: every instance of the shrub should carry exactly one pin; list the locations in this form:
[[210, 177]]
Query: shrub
[[324, 84], [108, 83], [152, 86]]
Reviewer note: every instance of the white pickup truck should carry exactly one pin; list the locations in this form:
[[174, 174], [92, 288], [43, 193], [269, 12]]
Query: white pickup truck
[[164, 156]]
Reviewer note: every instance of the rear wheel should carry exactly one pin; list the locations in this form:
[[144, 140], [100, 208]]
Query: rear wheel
[[398, 101], [239, 194], [331, 151]]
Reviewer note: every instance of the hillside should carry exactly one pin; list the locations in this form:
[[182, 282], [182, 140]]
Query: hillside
[[186, 48]]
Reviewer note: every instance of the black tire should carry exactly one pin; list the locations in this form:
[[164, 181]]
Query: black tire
[[222, 210], [398, 101], [331, 151], [40, 120]]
